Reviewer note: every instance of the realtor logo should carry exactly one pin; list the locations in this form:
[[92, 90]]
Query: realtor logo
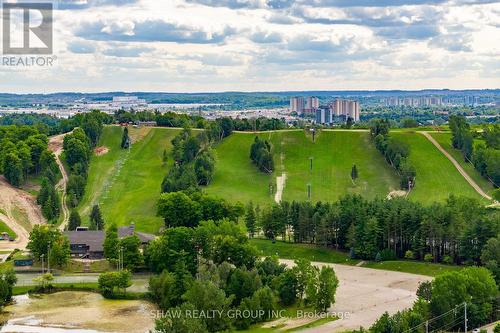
[[27, 28]]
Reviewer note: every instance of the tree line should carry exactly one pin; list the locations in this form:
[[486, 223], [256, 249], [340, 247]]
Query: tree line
[[182, 120], [456, 231], [24, 153], [78, 147], [395, 152], [261, 155], [484, 156]]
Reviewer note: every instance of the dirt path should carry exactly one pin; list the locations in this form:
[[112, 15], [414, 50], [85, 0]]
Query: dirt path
[[458, 166], [364, 294], [56, 146], [280, 185], [13, 203]]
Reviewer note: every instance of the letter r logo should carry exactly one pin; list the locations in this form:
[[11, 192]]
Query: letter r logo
[[31, 28]]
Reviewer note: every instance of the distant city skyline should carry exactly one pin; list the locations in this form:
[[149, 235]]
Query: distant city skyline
[[267, 45]]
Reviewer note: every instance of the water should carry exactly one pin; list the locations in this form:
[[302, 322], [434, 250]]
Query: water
[[77, 312]]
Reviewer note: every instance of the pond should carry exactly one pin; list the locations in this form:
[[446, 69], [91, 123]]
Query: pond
[[77, 312]]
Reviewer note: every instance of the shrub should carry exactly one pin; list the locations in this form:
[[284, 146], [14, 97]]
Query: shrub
[[409, 254], [428, 257], [387, 254], [496, 329], [447, 260]]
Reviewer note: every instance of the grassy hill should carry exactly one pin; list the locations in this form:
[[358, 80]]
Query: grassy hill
[[444, 140], [333, 153], [437, 178], [127, 184]]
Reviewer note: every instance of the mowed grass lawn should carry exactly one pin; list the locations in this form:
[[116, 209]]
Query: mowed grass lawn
[[236, 178], [5, 228], [437, 178], [102, 169], [285, 250], [334, 153], [129, 189], [444, 139]]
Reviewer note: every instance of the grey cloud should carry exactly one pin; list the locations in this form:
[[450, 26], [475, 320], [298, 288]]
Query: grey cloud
[[75, 4], [81, 47], [151, 31], [262, 37], [409, 32], [392, 24], [212, 59], [126, 52], [233, 4]]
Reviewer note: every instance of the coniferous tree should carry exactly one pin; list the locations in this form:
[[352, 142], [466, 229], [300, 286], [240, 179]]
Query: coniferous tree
[[96, 221], [354, 173], [74, 220], [250, 220], [111, 242], [125, 144]]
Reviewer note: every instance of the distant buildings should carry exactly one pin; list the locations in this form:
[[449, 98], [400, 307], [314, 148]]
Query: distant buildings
[[345, 108], [337, 111], [304, 104], [127, 102], [414, 101], [297, 104]]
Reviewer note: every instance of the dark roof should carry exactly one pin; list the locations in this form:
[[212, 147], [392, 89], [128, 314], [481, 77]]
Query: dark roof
[[130, 230], [94, 239]]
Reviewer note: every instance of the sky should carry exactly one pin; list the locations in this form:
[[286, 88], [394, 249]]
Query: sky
[[267, 45]]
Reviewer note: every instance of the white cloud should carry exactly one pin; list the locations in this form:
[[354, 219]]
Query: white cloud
[[215, 45]]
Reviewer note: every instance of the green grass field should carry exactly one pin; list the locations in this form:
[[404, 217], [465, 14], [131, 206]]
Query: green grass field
[[5, 228], [127, 184], [444, 139], [437, 178], [236, 177], [414, 267], [286, 250], [333, 153]]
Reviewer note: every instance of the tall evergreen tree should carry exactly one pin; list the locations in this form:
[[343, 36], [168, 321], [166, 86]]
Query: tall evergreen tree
[[96, 221], [125, 139], [354, 173], [250, 220], [111, 242], [74, 220]]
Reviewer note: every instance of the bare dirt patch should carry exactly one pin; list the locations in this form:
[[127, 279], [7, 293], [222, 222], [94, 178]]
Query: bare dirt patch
[[365, 294], [20, 212], [98, 151], [138, 134], [396, 194]]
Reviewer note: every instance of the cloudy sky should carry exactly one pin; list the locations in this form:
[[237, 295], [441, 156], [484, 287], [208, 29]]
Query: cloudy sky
[[268, 45]]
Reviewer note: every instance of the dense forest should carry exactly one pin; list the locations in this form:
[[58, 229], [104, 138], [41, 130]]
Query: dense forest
[[454, 232], [486, 155]]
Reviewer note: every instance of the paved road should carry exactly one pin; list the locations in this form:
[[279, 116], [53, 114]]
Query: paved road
[[365, 294], [457, 165], [139, 282]]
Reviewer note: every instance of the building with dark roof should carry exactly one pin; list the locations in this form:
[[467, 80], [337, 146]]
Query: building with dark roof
[[89, 244]]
